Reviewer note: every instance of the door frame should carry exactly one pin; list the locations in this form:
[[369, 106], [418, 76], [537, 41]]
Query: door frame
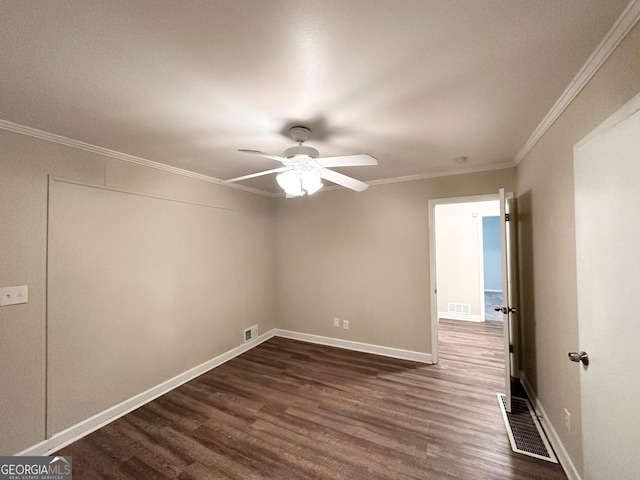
[[432, 258]]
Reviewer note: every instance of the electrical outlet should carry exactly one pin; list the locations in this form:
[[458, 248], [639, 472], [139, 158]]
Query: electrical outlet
[[336, 322], [567, 420], [250, 333], [345, 324]]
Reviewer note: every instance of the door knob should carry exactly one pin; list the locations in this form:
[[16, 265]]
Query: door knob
[[505, 310], [579, 357]]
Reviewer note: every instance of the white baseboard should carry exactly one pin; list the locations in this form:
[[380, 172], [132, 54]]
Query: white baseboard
[[357, 346], [79, 430], [554, 439], [37, 450], [459, 316], [84, 428]]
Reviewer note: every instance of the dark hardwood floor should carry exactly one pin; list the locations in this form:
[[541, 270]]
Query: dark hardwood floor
[[294, 410]]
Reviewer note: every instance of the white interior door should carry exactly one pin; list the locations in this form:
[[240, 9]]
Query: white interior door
[[509, 293], [607, 200]]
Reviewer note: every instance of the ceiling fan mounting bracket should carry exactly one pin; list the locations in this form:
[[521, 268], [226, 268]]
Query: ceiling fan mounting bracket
[[299, 134]]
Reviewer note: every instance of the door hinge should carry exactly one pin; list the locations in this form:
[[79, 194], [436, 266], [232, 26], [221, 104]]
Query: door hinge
[[510, 348], [506, 217]]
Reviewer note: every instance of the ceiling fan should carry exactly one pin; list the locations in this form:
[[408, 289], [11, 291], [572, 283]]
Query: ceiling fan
[[303, 169]]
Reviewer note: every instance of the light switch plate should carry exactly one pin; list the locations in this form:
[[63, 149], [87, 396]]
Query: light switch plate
[[14, 295]]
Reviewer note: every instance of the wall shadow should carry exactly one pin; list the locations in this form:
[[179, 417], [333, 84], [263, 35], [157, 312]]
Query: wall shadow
[[526, 311]]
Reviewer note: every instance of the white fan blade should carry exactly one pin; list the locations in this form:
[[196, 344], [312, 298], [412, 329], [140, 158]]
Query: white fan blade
[[343, 180], [357, 160], [262, 154], [253, 175]]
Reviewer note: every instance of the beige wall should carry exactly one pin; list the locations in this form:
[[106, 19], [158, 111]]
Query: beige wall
[[459, 255], [547, 241], [25, 164], [364, 257]]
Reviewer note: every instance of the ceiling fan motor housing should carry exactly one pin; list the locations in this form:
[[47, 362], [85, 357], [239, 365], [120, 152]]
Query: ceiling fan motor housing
[[292, 152]]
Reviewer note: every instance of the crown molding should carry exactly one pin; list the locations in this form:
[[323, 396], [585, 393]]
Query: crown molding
[[420, 176], [625, 22], [424, 176], [447, 173], [70, 142]]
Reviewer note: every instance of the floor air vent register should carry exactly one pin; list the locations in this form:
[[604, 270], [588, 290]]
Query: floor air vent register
[[525, 432]]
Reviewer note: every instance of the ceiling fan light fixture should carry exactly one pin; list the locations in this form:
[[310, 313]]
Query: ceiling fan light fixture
[[313, 189], [297, 182], [311, 181], [290, 183]]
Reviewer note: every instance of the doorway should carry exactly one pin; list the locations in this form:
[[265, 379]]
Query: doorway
[[468, 273], [506, 204]]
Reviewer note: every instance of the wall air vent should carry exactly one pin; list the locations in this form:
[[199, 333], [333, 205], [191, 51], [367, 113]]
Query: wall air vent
[[463, 308]]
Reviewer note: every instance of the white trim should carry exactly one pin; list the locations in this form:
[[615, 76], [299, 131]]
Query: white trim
[[84, 428], [257, 191], [357, 346], [447, 173], [552, 435], [487, 197], [624, 112], [70, 142], [419, 176], [81, 429], [53, 180], [460, 316], [611, 40], [38, 450], [433, 281]]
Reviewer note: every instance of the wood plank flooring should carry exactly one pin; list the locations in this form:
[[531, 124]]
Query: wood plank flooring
[[293, 410]]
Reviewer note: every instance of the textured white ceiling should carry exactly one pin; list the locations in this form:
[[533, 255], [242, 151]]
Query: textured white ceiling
[[415, 83]]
